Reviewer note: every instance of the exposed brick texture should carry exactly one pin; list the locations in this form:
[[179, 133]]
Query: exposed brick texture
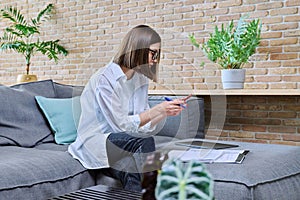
[[92, 30], [267, 119]]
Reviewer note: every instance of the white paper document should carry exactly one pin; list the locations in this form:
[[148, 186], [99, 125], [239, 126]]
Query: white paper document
[[209, 155]]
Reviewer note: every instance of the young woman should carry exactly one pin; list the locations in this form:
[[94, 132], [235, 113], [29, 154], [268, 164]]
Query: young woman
[[116, 122]]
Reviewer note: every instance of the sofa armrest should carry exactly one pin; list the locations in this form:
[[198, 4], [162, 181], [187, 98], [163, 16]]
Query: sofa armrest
[[67, 91]]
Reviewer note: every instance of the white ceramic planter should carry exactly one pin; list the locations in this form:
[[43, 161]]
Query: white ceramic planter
[[233, 78]]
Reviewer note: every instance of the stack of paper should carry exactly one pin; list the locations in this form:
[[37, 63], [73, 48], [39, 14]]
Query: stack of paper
[[210, 155]]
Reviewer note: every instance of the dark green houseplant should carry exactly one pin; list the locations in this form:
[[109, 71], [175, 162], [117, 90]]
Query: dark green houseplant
[[22, 36], [181, 181], [232, 46]]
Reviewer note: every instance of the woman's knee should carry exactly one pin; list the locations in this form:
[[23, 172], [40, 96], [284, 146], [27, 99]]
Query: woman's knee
[[148, 144]]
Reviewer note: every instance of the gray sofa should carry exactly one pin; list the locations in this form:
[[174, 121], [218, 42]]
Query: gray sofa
[[34, 166]]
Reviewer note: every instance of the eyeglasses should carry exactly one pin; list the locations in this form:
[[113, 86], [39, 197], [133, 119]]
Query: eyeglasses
[[154, 53]]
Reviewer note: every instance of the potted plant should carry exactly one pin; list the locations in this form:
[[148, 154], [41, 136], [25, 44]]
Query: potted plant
[[231, 47], [181, 181], [21, 36]]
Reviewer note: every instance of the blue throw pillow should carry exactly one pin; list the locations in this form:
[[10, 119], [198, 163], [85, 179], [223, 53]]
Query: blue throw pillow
[[63, 116]]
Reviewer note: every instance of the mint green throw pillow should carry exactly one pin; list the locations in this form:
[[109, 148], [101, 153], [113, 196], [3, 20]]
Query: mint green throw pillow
[[63, 116]]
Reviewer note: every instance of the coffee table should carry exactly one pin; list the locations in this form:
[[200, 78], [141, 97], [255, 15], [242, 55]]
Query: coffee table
[[100, 192]]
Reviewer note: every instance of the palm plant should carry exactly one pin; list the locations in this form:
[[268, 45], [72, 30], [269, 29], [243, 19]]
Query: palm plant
[[20, 35]]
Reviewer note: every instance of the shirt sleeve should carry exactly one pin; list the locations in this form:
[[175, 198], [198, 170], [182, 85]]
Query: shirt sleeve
[[147, 127], [114, 104]]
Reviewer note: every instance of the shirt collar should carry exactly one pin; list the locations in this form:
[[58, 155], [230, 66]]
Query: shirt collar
[[116, 71]]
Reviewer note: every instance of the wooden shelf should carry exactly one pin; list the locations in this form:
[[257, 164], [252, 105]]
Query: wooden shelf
[[264, 92]]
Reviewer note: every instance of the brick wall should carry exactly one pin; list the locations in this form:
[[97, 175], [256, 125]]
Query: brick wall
[[91, 30], [262, 119]]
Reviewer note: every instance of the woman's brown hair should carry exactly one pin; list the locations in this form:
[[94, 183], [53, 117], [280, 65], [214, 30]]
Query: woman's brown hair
[[134, 49]]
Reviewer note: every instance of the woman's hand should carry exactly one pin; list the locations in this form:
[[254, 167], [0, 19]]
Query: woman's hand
[[174, 107], [171, 108], [162, 110]]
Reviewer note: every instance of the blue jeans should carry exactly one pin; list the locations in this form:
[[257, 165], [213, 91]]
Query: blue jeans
[[126, 156]]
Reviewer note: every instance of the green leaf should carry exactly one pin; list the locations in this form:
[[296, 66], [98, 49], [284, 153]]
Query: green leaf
[[181, 181], [45, 14], [194, 41], [51, 49], [13, 14]]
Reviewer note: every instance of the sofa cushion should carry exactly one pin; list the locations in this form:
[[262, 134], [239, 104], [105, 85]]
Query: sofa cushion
[[63, 116], [30, 173], [21, 122], [189, 124], [269, 171]]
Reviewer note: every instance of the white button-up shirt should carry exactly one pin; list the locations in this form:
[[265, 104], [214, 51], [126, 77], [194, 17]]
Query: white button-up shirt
[[110, 104]]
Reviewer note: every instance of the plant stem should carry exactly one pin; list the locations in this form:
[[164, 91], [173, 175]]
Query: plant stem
[[27, 68], [182, 192]]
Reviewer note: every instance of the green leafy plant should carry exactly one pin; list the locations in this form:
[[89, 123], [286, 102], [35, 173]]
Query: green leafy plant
[[184, 181], [20, 35], [231, 46]]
